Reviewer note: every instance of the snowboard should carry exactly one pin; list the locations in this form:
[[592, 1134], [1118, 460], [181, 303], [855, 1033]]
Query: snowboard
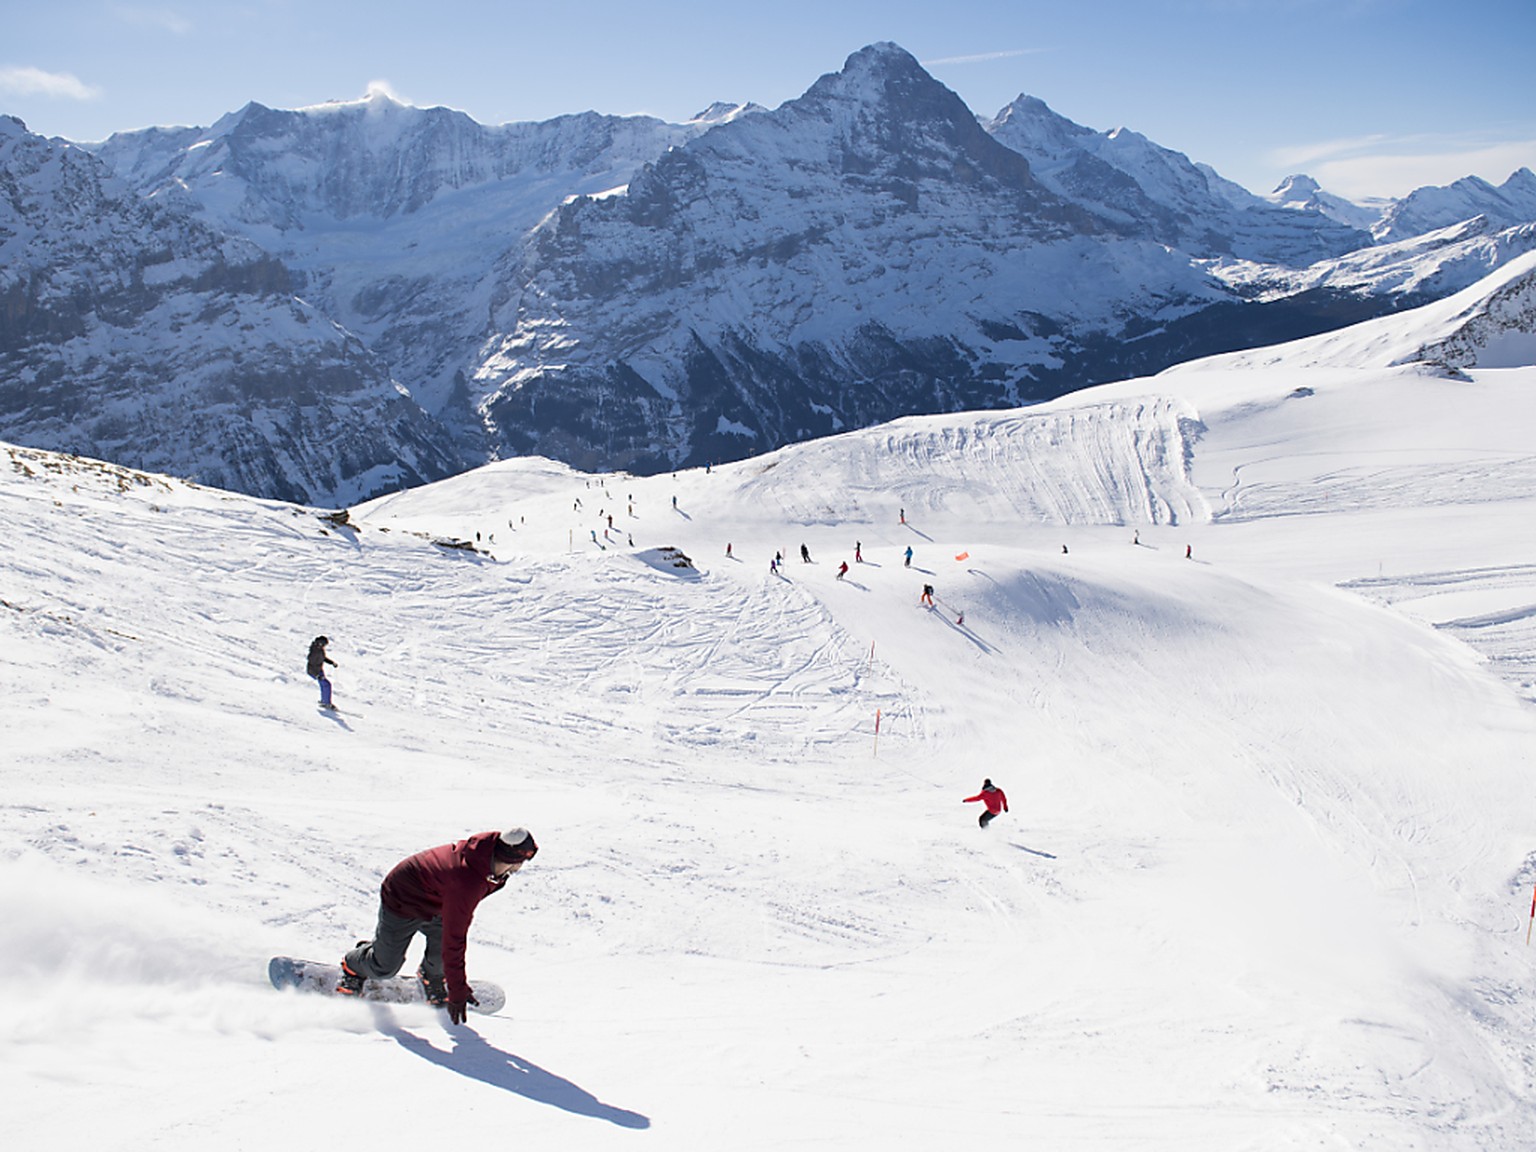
[[314, 976]]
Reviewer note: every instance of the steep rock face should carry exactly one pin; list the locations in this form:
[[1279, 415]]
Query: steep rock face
[[132, 332], [865, 251], [1154, 193], [394, 216]]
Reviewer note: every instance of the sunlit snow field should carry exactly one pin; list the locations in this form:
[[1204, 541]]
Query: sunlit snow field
[[1248, 647]]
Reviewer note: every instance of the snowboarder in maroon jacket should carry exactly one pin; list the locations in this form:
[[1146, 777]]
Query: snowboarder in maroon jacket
[[992, 796], [435, 893]]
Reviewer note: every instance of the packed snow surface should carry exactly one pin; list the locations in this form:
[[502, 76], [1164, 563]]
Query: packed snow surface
[[1248, 648]]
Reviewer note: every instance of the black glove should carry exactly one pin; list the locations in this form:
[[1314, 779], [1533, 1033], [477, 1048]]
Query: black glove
[[458, 1010]]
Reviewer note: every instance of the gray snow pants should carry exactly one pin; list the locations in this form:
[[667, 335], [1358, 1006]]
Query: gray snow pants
[[384, 955]]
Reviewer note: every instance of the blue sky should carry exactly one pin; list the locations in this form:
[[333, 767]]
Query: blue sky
[[1372, 97]]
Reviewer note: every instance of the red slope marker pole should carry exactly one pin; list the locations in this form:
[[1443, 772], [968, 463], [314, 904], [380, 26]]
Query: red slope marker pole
[[1533, 919], [877, 732]]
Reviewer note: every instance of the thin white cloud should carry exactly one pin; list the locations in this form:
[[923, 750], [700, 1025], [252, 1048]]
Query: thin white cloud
[[1299, 156], [1370, 166], [25, 81], [1398, 175], [163, 18], [982, 57]]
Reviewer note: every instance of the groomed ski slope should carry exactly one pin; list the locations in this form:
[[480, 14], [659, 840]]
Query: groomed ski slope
[[1264, 883]]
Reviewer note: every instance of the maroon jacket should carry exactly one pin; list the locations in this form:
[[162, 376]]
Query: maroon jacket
[[447, 882]]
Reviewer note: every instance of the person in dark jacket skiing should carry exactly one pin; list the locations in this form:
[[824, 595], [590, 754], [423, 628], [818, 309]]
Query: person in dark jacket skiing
[[436, 893], [992, 796], [316, 668]]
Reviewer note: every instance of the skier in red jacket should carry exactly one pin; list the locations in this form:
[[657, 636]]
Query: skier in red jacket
[[435, 893], [993, 797]]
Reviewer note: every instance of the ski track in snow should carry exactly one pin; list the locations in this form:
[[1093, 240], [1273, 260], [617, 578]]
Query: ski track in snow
[[1260, 885]]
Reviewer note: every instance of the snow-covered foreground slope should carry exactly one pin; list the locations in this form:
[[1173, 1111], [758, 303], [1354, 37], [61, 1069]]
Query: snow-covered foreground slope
[[1263, 885]]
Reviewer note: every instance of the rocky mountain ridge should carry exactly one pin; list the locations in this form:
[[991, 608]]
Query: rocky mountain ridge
[[621, 292], [132, 331]]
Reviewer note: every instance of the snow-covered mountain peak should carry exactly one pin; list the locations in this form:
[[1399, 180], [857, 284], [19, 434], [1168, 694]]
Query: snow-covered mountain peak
[[1426, 209], [1156, 193], [723, 112], [885, 76], [1029, 118], [1301, 193], [1297, 189]]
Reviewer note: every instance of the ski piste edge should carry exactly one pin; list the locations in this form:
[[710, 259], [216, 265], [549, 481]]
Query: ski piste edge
[[320, 978]]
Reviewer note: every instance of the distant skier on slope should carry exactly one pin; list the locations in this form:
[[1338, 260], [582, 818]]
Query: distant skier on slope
[[908, 564], [316, 669], [805, 554], [435, 892], [842, 569], [927, 596], [992, 796]]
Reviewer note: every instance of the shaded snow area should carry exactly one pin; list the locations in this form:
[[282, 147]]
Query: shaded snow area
[[1248, 648]]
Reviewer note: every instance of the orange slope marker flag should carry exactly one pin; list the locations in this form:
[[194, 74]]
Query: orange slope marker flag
[[963, 556]]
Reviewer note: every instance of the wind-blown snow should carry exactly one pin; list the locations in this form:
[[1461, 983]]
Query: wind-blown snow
[[1264, 881]]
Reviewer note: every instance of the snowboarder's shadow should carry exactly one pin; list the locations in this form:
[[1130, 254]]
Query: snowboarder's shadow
[[915, 532], [332, 714], [1034, 851], [683, 514], [473, 1057], [965, 631]]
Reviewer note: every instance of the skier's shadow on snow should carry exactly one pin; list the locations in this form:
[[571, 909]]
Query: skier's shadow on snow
[[1034, 851], [963, 629], [473, 1057], [916, 532], [335, 718]]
